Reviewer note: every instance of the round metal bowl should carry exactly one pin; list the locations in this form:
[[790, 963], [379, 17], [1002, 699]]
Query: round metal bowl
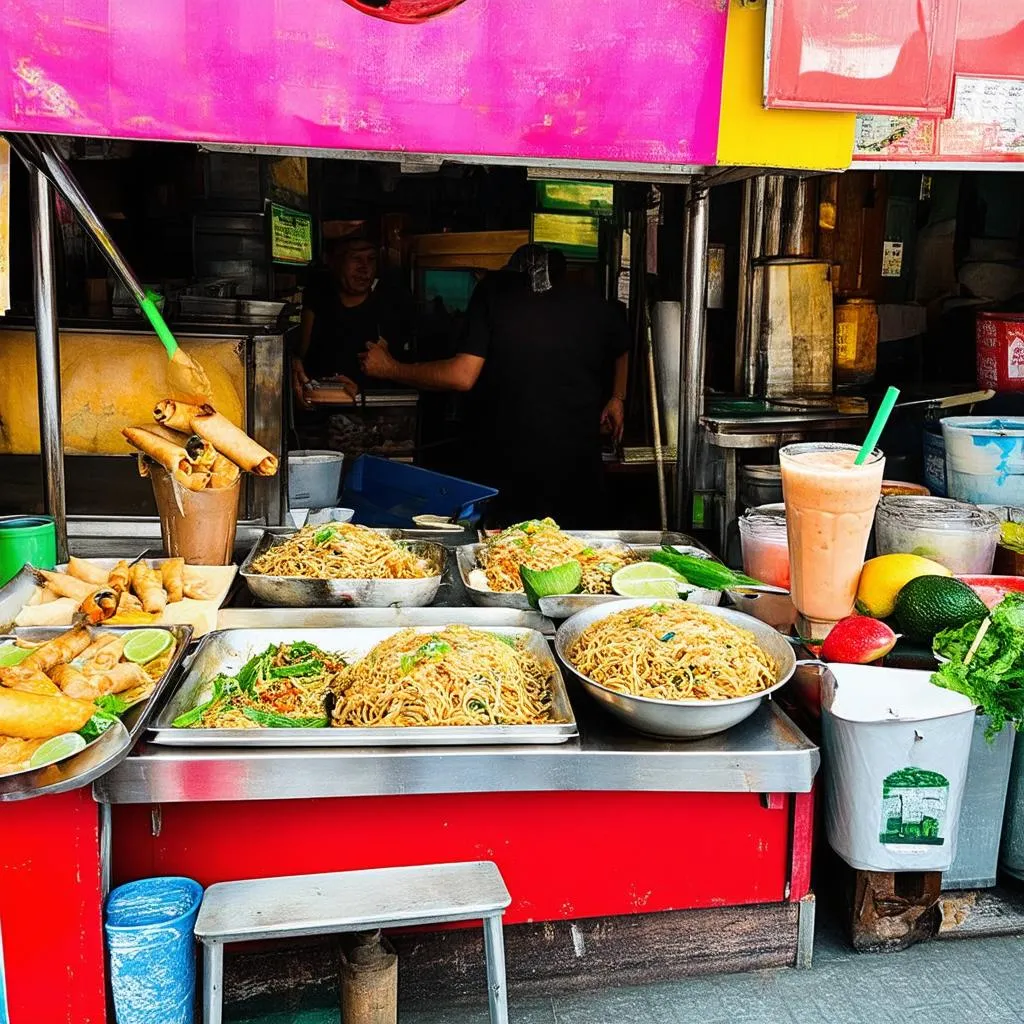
[[679, 719]]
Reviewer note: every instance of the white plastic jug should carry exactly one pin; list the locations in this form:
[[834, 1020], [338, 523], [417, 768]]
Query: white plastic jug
[[895, 750]]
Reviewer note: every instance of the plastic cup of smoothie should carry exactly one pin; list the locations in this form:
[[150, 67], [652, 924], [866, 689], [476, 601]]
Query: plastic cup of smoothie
[[830, 509]]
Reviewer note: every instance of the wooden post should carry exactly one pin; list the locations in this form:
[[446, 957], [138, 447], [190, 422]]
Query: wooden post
[[891, 911], [369, 982]]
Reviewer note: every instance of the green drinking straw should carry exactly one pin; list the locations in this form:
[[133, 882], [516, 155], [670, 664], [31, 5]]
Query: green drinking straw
[[877, 426]]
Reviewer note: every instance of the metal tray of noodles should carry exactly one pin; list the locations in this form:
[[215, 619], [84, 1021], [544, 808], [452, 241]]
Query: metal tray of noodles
[[225, 652], [689, 719], [299, 592], [112, 747], [641, 542]]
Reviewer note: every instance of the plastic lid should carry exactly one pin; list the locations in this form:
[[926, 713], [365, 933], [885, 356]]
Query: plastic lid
[[765, 520], [935, 513]]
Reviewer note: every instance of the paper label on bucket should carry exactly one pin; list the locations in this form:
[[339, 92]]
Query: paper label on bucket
[[1015, 358], [913, 808]]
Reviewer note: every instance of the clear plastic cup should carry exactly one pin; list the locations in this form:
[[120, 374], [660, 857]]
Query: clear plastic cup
[[763, 540], [960, 536]]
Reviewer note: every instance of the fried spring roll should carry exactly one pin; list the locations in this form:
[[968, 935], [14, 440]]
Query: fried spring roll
[[32, 716], [105, 658], [195, 586], [172, 573], [58, 651], [128, 602], [28, 680], [77, 684], [223, 473], [171, 456], [148, 588], [120, 577], [83, 569], [64, 585], [176, 415], [100, 605], [233, 443], [103, 640]]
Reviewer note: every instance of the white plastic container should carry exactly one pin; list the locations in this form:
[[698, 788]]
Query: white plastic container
[[896, 749], [984, 459], [960, 536], [314, 478]]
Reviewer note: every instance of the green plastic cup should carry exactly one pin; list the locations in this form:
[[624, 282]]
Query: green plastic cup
[[26, 539]]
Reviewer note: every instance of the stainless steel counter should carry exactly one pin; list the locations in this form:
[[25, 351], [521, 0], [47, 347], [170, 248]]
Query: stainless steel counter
[[766, 754]]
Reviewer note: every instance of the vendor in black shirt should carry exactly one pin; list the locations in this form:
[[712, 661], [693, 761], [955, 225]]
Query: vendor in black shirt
[[546, 363], [344, 310]]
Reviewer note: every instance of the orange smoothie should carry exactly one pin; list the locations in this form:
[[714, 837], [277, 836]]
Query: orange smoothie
[[830, 508]]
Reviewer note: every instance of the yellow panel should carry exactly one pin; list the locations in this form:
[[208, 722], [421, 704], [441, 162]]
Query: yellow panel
[[749, 135], [107, 382]]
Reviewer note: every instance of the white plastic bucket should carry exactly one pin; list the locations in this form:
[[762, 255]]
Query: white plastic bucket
[[314, 478], [984, 459], [896, 749]]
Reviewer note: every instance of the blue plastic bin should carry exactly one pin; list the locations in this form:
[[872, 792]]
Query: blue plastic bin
[[385, 493], [151, 939]]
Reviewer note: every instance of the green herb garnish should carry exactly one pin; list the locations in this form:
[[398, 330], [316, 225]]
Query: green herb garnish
[[433, 650], [324, 535], [272, 720]]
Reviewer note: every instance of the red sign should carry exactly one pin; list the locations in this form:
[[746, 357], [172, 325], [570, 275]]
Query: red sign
[[861, 55]]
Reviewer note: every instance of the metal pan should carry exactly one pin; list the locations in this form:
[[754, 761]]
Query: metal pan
[[297, 592], [690, 719], [112, 747], [226, 652]]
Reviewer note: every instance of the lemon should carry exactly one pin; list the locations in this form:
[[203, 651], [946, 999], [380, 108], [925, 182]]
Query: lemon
[[647, 579], [882, 578]]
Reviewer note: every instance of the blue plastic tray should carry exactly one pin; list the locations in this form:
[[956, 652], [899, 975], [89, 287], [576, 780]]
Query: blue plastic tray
[[385, 493]]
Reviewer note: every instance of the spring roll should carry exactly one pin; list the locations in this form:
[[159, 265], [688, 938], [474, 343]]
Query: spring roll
[[223, 473], [64, 585], [93, 650], [120, 577], [234, 443], [128, 602], [196, 587], [172, 573], [77, 684], [100, 605], [106, 657], [31, 716], [197, 480], [58, 651], [166, 453], [143, 463], [59, 612], [176, 415], [148, 588], [200, 452], [83, 569], [28, 680]]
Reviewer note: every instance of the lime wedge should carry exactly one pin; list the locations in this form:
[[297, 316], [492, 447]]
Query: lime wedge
[[143, 645], [563, 579], [56, 749], [13, 655], [647, 579]]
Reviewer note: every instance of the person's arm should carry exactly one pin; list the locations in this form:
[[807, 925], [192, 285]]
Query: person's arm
[[459, 373], [300, 379], [613, 416]]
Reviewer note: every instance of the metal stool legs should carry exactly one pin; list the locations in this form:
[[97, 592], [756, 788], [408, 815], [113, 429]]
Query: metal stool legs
[[213, 982], [494, 956]]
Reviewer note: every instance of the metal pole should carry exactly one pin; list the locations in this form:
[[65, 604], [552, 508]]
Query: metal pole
[[740, 359], [692, 377], [51, 435], [751, 296], [679, 490]]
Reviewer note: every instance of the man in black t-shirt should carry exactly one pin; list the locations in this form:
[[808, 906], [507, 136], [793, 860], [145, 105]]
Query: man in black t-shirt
[[546, 363]]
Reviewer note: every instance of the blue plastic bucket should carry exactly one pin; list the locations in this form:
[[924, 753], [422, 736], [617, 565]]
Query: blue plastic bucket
[[150, 936], [985, 459]]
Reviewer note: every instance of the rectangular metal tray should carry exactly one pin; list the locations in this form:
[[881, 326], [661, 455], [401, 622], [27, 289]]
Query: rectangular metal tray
[[112, 747], [641, 541], [226, 651], [297, 592]]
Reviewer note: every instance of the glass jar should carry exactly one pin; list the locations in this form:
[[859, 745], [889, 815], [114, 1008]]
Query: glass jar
[[959, 536]]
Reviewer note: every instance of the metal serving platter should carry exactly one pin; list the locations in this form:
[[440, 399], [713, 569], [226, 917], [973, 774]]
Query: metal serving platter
[[297, 592], [679, 719], [226, 651], [565, 605], [112, 747]]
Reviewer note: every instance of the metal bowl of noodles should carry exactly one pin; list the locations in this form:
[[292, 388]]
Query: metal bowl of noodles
[[678, 719]]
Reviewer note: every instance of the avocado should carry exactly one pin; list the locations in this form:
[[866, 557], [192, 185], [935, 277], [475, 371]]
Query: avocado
[[929, 604]]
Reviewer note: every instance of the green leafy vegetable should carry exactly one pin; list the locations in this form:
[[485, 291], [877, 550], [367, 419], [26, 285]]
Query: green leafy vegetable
[[312, 667], [705, 573], [223, 686], [272, 720], [324, 535], [433, 650], [108, 710], [994, 676], [510, 641]]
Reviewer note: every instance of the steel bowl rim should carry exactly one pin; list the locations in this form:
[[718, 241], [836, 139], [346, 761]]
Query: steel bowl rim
[[661, 701]]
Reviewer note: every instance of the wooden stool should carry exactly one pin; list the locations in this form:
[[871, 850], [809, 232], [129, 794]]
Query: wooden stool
[[353, 901]]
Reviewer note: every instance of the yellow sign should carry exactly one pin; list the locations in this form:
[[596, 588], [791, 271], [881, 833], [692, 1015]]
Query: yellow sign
[[749, 135], [291, 235]]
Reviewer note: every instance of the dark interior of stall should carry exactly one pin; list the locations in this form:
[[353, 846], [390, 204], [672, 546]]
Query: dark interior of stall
[[225, 238]]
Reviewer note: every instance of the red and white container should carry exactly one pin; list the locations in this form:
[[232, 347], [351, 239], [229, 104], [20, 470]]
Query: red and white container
[[1000, 351]]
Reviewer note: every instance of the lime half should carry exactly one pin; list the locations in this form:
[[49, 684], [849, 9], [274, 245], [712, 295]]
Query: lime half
[[13, 655], [563, 579], [647, 579], [143, 645], [57, 749]]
